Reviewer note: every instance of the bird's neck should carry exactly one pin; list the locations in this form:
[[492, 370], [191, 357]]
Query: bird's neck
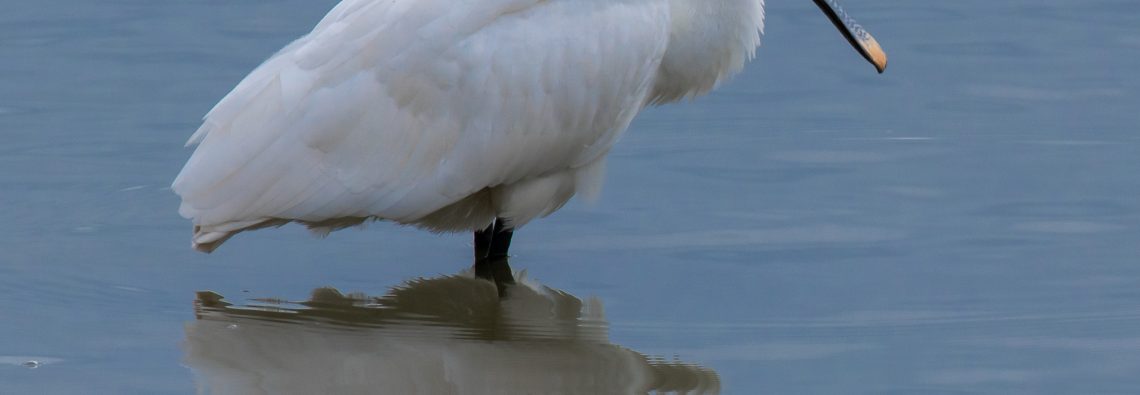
[[709, 40]]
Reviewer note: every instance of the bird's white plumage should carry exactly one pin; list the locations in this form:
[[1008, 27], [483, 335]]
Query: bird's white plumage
[[445, 113]]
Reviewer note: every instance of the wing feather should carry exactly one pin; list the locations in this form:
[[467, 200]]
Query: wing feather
[[397, 108]]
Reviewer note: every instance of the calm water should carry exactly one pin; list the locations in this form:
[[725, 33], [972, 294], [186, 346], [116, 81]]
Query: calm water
[[966, 223]]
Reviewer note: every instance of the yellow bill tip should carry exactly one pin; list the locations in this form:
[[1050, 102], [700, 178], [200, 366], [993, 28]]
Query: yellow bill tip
[[874, 53]]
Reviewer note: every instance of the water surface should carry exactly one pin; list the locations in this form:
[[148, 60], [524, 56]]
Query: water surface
[[965, 223]]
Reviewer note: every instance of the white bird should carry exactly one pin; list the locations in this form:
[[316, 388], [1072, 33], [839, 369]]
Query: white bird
[[455, 115]]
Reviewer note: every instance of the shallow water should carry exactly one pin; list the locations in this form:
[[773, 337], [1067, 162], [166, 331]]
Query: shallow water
[[965, 223]]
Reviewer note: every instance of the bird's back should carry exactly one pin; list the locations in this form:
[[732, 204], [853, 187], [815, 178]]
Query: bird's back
[[398, 109]]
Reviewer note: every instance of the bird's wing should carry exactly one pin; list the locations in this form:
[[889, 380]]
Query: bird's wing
[[396, 108]]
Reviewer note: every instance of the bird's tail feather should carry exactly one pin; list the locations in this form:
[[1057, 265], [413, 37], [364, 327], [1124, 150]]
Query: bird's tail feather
[[208, 238]]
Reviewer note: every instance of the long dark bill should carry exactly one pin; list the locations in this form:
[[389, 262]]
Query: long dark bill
[[860, 39]]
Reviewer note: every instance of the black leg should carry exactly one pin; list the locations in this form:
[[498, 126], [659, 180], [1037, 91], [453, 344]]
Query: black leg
[[501, 241], [482, 247], [483, 241], [491, 247]]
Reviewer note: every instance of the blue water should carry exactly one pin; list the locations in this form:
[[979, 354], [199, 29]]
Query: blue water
[[967, 222]]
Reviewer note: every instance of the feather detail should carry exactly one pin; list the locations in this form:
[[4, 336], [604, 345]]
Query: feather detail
[[407, 109]]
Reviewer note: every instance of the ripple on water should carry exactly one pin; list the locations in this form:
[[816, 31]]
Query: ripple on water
[[1075, 143], [914, 191], [1071, 209], [30, 362], [809, 234], [1041, 93], [876, 325], [828, 157], [11, 111], [428, 336], [1067, 227], [775, 351], [959, 377]]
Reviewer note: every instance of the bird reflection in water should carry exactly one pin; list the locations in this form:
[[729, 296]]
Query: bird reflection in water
[[442, 335]]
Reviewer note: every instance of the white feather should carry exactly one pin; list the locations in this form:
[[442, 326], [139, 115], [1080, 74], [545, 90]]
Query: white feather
[[446, 114]]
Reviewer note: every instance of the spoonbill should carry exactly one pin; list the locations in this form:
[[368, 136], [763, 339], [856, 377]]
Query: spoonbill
[[456, 115]]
